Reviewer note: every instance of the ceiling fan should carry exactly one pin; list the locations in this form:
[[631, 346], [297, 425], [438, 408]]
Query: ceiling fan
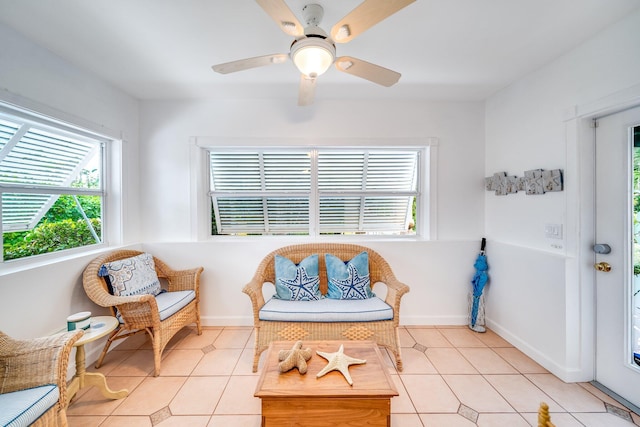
[[313, 51]]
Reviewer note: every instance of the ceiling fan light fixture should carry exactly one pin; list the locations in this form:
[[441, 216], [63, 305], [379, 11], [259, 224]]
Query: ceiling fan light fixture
[[313, 56]]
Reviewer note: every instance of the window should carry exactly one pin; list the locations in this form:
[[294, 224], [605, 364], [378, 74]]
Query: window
[[51, 182], [319, 191]]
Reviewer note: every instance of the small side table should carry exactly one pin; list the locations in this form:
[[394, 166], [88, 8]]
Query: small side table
[[100, 326]]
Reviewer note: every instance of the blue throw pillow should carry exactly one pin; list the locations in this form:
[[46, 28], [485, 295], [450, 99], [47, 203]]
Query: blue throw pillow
[[297, 282], [348, 280]]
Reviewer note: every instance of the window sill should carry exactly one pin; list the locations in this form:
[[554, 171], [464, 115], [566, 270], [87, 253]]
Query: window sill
[[44, 260]]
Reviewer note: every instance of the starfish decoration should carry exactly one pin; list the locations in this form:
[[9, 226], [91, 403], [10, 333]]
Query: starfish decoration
[[302, 287], [354, 286], [339, 362], [294, 358]]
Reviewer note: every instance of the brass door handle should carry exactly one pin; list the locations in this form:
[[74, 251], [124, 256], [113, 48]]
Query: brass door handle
[[603, 266]]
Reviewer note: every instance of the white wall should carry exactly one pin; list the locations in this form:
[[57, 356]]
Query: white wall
[[526, 129], [37, 301], [439, 272]]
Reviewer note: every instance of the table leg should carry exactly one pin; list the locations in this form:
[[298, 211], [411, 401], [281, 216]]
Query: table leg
[[83, 379]]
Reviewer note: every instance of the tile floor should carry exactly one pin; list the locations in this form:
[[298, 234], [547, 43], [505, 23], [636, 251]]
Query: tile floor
[[452, 377]]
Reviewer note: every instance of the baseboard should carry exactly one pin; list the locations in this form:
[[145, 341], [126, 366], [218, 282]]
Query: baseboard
[[427, 320], [562, 372]]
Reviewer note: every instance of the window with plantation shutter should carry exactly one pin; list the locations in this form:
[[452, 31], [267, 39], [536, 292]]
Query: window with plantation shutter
[[51, 186], [314, 191], [367, 191], [263, 192]]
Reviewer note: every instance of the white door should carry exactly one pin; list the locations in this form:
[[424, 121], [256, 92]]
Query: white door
[[617, 309]]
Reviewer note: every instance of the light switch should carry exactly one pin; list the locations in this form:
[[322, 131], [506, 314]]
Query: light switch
[[553, 231]]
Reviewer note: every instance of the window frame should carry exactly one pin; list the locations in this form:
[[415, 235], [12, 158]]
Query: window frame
[[201, 218], [110, 172]]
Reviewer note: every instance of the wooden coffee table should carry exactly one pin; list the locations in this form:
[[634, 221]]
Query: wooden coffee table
[[292, 399]]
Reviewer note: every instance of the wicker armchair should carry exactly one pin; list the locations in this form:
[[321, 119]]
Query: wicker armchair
[[384, 332], [140, 313], [25, 364]]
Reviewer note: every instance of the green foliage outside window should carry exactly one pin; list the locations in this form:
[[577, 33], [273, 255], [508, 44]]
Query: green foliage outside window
[[50, 237], [62, 227]]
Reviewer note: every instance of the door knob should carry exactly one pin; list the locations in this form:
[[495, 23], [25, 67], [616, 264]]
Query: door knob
[[603, 266], [602, 248]]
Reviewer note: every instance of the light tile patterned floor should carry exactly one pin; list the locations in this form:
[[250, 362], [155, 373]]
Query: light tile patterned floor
[[452, 377]]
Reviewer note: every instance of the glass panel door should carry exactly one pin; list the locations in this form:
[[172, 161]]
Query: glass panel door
[[635, 289]]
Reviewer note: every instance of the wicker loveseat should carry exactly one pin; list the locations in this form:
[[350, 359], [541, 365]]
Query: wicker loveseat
[[33, 379], [155, 315], [383, 332]]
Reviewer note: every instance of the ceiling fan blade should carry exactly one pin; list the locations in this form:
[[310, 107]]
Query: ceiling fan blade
[[245, 64], [284, 17], [366, 70], [365, 16], [307, 90]]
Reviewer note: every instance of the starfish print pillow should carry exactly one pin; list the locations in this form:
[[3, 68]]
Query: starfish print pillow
[[297, 282], [348, 280]]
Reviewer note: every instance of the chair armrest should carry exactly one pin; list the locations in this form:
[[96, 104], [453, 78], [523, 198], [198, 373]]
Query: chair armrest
[[179, 280], [140, 312], [381, 271], [254, 287], [35, 362], [137, 311], [395, 289], [254, 290]]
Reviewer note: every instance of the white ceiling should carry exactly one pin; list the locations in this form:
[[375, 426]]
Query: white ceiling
[[445, 49]]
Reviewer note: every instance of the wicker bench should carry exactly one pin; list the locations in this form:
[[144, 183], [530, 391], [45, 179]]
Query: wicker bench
[[383, 332]]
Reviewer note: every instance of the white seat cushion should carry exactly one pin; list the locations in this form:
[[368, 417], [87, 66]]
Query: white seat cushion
[[169, 303], [326, 310], [22, 408]]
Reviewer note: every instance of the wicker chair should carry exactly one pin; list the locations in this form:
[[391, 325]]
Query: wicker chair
[[383, 332], [25, 364], [139, 313]]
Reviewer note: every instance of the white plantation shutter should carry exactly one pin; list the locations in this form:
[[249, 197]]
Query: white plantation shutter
[[260, 192], [7, 131], [345, 190], [367, 191], [23, 211], [36, 165], [43, 158]]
